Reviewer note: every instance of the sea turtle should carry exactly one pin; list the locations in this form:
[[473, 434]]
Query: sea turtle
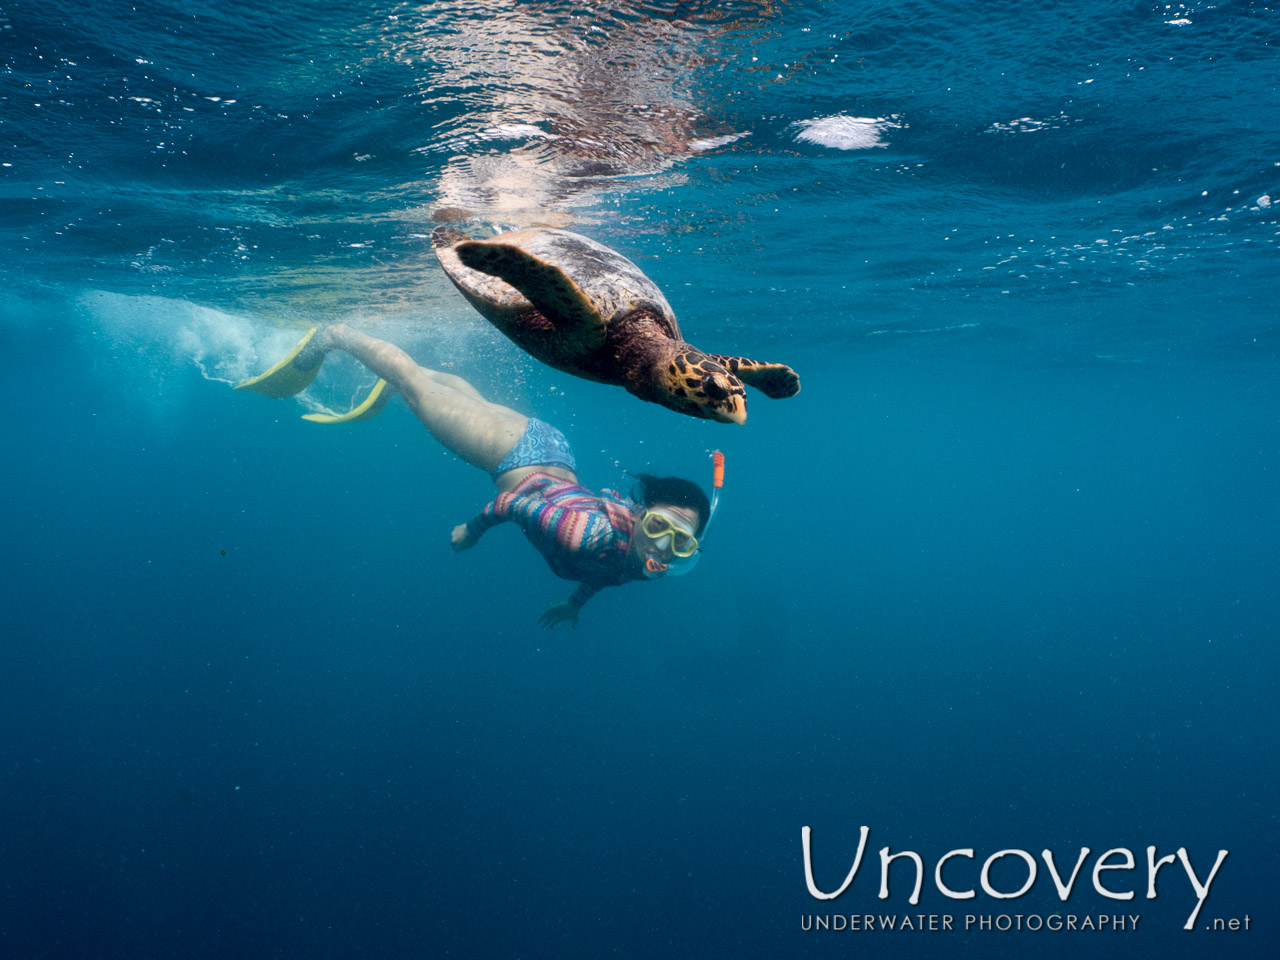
[[582, 308]]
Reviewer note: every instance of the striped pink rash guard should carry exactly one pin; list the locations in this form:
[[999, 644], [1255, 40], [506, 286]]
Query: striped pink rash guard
[[584, 536]]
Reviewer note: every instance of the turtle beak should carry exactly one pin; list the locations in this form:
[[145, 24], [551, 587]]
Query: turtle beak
[[727, 396]]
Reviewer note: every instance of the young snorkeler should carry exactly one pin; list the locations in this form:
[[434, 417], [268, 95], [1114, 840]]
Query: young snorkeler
[[599, 540]]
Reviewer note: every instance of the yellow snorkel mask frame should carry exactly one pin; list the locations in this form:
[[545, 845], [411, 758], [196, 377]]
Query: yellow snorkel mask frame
[[658, 525]]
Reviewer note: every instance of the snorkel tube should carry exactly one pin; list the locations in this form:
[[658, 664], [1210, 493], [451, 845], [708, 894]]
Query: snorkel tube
[[717, 481], [654, 566]]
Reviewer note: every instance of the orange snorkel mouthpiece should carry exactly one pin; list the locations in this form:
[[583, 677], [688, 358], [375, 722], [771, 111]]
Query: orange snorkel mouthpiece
[[655, 566]]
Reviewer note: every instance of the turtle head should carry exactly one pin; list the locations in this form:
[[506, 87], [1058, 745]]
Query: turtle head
[[700, 386]]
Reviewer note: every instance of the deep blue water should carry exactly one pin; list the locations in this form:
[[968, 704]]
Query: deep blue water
[[1003, 576]]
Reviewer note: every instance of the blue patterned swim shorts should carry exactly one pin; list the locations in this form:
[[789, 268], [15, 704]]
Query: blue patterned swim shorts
[[541, 445]]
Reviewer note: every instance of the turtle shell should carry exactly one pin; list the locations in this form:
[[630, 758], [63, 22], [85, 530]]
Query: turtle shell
[[577, 285]]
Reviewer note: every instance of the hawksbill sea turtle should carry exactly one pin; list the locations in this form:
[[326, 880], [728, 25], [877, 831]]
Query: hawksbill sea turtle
[[585, 309]]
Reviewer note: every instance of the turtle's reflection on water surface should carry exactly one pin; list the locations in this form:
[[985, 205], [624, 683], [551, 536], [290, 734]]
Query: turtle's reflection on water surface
[[561, 101]]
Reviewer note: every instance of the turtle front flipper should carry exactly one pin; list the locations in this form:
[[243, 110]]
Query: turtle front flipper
[[775, 380], [578, 325], [498, 302]]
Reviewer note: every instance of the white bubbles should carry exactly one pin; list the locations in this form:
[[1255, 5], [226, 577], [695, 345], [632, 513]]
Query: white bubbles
[[1264, 200], [842, 132], [712, 143], [224, 347], [1032, 124]]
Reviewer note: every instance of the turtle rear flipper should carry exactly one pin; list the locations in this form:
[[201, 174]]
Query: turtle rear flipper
[[577, 320], [775, 380]]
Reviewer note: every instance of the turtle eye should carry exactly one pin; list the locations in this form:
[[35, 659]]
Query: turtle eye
[[713, 387]]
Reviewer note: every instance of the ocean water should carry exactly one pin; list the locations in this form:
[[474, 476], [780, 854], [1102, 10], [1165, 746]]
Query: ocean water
[[1003, 576]]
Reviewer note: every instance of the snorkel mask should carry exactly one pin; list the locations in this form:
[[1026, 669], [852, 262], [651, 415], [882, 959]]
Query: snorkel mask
[[670, 533]]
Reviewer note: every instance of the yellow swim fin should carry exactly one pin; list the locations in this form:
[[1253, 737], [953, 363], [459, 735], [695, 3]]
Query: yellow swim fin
[[371, 407], [284, 379]]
